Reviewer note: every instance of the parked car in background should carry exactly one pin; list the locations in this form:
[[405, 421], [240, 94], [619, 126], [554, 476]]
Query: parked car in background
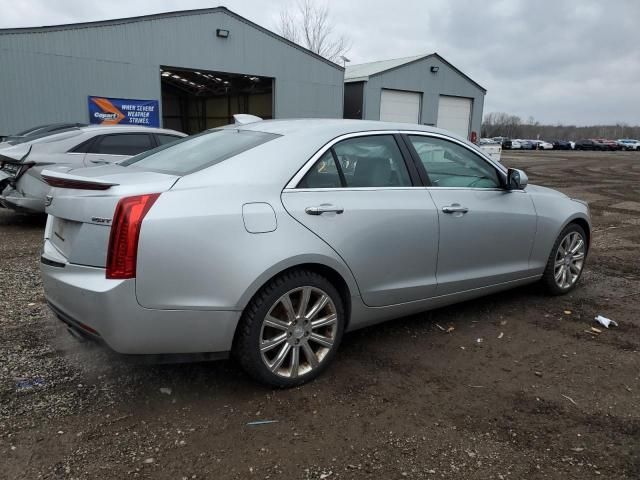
[[37, 132], [504, 142], [590, 144], [515, 145], [542, 145], [527, 145], [628, 144], [562, 145], [491, 148], [188, 249], [23, 189], [609, 144]]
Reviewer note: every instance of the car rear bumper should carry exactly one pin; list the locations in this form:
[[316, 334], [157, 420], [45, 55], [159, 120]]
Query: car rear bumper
[[107, 310], [14, 200]]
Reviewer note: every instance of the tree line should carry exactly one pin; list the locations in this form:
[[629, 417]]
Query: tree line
[[500, 124]]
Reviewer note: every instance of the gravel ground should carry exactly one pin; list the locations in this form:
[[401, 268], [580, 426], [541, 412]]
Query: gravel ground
[[539, 396]]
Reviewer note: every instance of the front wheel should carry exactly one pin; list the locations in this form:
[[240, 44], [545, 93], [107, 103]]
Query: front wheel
[[291, 329], [566, 261]]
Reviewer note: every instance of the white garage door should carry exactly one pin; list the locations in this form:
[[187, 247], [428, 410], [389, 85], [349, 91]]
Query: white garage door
[[399, 106], [454, 114]]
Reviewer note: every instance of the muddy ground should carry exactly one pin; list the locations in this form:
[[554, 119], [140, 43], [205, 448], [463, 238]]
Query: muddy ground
[[540, 396]]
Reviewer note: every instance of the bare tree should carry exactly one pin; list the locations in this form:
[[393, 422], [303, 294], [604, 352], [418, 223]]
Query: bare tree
[[502, 124], [309, 25]]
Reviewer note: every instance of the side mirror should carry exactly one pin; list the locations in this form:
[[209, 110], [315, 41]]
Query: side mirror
[[516, 179]]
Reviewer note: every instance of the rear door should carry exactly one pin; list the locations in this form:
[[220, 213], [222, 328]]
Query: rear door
[[362, 197], [486, 232], [115, 147]]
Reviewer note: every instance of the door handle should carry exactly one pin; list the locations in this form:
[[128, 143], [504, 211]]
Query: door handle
[[324, 208], [99, 162], [455, 208]]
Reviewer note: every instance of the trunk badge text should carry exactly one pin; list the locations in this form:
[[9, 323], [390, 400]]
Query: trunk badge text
[[48, 200], [100, 220]]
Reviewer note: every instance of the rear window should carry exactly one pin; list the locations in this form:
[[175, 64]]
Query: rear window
[[194, 153], [122, 144]]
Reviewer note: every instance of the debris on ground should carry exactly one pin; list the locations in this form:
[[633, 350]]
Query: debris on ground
[[28, 383], [261, 422], [605, 322], [567, 312], [570, 399], [596, 330], [450, 329], [501, 335], [165, 391]]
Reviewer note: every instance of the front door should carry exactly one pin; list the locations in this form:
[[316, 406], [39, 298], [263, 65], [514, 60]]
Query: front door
[[486, 232], [360, 199]]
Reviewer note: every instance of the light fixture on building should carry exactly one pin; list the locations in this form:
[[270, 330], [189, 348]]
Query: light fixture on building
[[222, 33], [345, 60], [435, 69]]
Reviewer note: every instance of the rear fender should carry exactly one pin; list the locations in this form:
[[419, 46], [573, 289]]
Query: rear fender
[[297, 261]]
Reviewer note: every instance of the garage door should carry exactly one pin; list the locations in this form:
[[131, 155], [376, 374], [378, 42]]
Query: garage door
[[399, 106], [454, 114]]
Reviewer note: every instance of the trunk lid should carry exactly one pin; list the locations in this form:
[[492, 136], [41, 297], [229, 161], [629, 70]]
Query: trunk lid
[[82, 202]]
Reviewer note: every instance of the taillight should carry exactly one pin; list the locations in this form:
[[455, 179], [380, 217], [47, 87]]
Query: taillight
[[125, 232]]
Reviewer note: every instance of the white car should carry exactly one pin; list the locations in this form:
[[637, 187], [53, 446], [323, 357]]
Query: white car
[[542, 145], [516, 145], [491, 148], [628, 144], [22, 187]]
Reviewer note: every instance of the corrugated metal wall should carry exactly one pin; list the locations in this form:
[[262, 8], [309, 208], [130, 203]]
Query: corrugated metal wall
[[417, 77], [46, 76]]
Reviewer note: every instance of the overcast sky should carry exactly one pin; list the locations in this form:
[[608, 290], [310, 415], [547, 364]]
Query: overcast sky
[[562, 61]]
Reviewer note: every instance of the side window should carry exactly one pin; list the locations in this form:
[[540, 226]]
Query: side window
[[368, 161], [451, 165], [323, 174], [372, 161], [83, 147], [122, 144], [164, 139]]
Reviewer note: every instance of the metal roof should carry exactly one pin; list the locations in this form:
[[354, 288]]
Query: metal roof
[[361, 72], [157, 16]]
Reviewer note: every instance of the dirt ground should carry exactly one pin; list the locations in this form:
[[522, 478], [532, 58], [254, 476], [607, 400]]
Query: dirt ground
[[521, 388]]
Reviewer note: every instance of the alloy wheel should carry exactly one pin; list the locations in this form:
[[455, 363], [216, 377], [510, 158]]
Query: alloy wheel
[[569, 260], [298, 332]]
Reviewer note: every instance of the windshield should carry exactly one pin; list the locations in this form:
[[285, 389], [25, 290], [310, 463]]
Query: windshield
[[194, 153]]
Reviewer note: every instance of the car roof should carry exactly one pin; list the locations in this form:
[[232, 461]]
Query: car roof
[[332, 127], [127, 128]]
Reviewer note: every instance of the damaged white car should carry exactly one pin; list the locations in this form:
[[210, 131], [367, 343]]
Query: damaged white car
[[21, 186]]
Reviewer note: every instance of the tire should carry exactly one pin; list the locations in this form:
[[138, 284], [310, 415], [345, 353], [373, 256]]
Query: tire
[[289, 333], [558, 262]]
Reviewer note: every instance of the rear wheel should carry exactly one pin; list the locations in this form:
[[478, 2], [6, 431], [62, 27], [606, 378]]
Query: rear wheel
[[291, 329], [566, 261]]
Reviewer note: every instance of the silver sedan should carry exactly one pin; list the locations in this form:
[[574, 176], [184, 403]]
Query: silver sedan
[[270, 239]]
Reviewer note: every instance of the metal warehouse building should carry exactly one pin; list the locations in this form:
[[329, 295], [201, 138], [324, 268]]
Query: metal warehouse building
[[422, 89], [199, 67]]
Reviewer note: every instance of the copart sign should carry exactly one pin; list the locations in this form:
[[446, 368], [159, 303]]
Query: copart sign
[[123, 111]]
